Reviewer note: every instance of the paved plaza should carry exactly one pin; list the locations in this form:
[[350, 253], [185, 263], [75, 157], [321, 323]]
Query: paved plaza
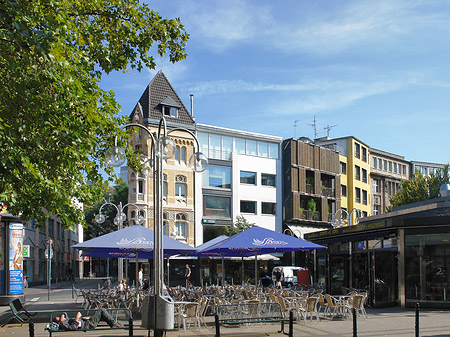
[[380, 322]]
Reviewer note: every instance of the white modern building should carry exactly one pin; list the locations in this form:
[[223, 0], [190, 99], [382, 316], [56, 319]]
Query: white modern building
[[243, 178]]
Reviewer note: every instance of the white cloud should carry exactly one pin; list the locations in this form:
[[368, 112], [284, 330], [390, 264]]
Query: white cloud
[[311, 27]]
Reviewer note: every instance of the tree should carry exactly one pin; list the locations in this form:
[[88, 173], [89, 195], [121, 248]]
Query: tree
[[241, 224], [118, 194], [55, 121], [420, 187]]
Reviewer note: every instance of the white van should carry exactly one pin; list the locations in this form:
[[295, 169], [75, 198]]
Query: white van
[[289, 273]]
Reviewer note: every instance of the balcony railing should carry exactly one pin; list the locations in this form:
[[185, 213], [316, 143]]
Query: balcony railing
[[327, 191], [309, 188], [310, 215]]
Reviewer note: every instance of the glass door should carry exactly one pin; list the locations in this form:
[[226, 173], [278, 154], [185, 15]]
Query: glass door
[[385, 278]]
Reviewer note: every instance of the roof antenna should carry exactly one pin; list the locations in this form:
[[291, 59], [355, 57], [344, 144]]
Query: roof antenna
[[295, 128], [315, 126], [328, 128]]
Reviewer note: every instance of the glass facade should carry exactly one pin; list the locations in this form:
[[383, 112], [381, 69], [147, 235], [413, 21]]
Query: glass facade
[[427, 267], [216, 207], [221, 147]]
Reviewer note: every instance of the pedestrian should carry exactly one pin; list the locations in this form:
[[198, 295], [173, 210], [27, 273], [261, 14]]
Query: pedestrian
[[187, 276], [278, 278], [122, 285], [265, 277], [141, 277]]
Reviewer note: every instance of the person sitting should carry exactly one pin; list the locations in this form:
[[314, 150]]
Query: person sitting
[[85, 323], [145, 284], [122, 285]]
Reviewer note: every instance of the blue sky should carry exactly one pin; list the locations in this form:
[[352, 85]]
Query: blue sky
[[376, 70]]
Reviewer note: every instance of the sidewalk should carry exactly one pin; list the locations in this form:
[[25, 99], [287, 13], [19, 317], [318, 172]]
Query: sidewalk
[[381, 322]]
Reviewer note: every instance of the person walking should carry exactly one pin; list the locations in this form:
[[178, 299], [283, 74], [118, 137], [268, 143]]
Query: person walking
[[187, 276], [141, 277], [279, 278]]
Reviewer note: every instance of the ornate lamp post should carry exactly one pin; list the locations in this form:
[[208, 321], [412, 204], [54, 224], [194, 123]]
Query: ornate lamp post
[[162, 148], [118, 221]]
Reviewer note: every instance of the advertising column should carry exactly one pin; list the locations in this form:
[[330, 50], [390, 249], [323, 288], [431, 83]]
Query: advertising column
[[15, 258]]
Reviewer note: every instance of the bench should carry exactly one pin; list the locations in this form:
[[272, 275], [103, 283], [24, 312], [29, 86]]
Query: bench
[[121, 315], [19, 312], [247, 313]]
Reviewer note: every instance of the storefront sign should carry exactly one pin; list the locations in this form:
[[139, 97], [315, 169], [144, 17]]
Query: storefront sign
[[26, 250]]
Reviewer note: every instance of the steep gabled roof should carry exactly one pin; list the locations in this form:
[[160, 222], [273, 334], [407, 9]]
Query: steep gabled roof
[[160, 92]]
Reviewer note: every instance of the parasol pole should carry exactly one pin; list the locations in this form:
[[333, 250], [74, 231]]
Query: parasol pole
[[223, 270], [242, 272], [256, 268], [137, 276]]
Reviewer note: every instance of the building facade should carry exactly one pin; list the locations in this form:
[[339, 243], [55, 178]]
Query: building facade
[[311, 189], [355, 169], [160, 100], [387, 171], [243, 178]]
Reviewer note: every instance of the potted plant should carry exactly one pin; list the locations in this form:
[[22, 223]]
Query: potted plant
[[311, 206]]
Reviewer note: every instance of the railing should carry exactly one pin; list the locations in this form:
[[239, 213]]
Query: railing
[[327, 191], [310, 215], [309, 188]]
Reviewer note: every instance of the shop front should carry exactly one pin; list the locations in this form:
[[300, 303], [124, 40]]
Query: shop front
[[401, 257]]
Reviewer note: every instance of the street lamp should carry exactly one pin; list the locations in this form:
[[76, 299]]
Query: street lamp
[[118, 221], [293, 234], [162, 148], [337, 222]]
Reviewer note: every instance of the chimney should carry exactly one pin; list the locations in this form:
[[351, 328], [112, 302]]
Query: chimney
[[192, 105]]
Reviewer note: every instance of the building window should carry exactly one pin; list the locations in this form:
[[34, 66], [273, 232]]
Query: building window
[[217, 177], [51, 224], [248, 206], [248, 178], [251, 147], [267, 179], [357, 150], [215, 207], [273, 151], [404, 170], [357, 172], [180, 186], [164, 185], [390, 167], [380, 164], [343, 190], [384, 165], [170, 111], [263, 149], [357, 195], [268, 208], [364, 154], [374, 162], [239, 145], [395, 167], [180, 226], [215, 146], [343, 168], [376, 209], [364, 197], [376, 186], [364, 175]]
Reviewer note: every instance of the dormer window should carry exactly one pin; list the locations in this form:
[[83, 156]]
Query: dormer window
[[169, 107], [170, 111]]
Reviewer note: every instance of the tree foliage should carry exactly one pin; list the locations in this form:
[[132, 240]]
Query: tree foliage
[[241, 224], [55, 120], [93, 229], [421, 187]]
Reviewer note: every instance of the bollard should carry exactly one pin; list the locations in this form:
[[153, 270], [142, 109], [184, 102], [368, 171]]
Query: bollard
[[291, 323], [417, 319], [31, 328], [355, 332], [130, 327], [216, 319]]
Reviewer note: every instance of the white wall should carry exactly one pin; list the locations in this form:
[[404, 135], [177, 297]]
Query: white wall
[[257, 192]]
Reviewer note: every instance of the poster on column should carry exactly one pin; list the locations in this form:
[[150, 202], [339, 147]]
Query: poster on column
[[15, 258]]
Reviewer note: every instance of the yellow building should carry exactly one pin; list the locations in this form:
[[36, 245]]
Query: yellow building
[[355, 171]]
